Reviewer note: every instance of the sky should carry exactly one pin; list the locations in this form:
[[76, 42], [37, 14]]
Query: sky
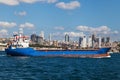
[[60, 17]]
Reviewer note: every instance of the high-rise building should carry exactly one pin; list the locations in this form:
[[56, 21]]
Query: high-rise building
[[84, 42], [93, 40], [50, 37], [66, 38], [80, 41], [107, 39], [90, 41], [39, 40], [33, 37], [99, 42], [103, 40], [42, 34], [93, 37]]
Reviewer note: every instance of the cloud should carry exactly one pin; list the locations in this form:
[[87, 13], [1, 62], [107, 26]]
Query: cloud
[[51, 1], [116, 32], [75, 34], [27, 25], [59, 28], [61, 35], [91, 29], [22, 13], [57, 34], [7, 24], [10, 2], [48, 1], [84, 28], [3, 33], [28, 1], [34, 1], [98, 30], [15, 32], [69, 6], [17, 2]]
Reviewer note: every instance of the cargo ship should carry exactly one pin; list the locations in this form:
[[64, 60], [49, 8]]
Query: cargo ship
[[20, 47]]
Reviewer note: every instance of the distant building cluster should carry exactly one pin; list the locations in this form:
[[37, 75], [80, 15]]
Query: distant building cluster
[[36, 39], [83, 42]]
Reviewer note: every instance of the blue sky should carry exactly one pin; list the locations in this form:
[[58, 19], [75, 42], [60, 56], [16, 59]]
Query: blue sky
[[59, 17]]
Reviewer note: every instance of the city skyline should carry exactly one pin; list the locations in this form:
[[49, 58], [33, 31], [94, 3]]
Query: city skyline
[[60, 17]]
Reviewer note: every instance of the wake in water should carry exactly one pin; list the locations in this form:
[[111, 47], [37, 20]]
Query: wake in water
[[2, 55]]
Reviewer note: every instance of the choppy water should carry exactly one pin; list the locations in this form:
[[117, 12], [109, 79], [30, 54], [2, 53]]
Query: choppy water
[[37, 68]]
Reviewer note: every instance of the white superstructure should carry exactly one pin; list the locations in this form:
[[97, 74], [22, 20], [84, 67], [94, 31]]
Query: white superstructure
[[20, 40]]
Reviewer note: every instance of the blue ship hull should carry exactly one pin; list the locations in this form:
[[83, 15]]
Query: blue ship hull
[[102, 52]]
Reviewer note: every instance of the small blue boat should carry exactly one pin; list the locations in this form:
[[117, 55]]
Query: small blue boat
[[20, 47]]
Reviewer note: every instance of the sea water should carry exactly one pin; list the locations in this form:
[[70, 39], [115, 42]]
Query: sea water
[[43, 68]]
